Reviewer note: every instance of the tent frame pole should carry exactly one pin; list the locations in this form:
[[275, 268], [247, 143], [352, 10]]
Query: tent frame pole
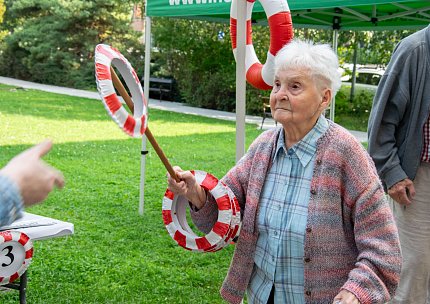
[[146, 74], [333, 101], [240, 79]]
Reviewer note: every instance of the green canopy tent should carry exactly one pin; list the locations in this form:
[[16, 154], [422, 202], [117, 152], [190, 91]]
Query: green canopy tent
[[333, 15], [350, 14]]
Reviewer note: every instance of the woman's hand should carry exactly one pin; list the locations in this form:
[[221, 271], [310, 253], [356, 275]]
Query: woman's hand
[[187, 187], [345, 297]]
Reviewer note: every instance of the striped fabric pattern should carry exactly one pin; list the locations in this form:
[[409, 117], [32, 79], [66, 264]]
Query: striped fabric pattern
[[351, 238], [425, 154], [282, 219], [11, 202]]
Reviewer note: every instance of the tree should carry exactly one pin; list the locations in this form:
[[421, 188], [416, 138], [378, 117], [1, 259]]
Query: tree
[[53, 41]]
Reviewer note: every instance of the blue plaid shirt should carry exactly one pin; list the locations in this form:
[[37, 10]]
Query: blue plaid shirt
[[282, 216], [11, 203]]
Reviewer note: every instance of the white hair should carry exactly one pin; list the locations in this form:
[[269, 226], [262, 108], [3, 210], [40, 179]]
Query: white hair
[[319, 59]]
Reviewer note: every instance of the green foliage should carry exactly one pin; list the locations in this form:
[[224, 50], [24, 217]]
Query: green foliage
[[353, 114], [2, 10], [53, 41], [373, 47], [115, 254], [201, 63]]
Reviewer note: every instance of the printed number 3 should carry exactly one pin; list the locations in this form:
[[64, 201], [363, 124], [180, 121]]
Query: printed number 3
[[9, 255]]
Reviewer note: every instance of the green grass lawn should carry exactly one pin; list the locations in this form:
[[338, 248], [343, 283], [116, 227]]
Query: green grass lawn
[[115, 255]]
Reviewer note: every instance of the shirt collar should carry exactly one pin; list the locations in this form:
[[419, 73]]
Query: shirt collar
[[306, 148]]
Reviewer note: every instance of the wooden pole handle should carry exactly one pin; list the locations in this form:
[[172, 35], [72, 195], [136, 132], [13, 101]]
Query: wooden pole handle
[[122, 91]]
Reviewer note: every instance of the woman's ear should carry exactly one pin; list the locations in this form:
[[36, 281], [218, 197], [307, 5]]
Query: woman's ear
[[326, 98]]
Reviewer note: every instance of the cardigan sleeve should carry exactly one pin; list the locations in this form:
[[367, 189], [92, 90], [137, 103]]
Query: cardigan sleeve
[[376, 274]]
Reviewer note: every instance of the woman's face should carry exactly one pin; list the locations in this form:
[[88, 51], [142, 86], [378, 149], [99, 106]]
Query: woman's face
[[296, 99]]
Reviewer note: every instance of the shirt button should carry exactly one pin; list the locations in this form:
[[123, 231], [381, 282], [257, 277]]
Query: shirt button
[[319, 161], [307, 260], [290, 152], [313, 192], [309, 230], [275, 233], [308, 292]]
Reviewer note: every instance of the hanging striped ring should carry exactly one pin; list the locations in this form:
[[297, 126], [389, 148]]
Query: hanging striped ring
[[16, 252], [225, 229], [281, 32], [105, 56]]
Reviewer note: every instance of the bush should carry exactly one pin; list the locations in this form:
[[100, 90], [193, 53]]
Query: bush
[[359, 106], [353, 115]]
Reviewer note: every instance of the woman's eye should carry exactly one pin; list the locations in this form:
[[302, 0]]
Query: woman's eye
[[276, 86], [295, 86]]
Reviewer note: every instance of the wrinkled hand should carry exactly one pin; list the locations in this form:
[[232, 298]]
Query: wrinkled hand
[[402, 192], [345, 297], [35, 179], [187, 187]]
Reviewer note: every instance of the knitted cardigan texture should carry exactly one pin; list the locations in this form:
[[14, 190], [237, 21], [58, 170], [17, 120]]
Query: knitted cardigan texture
[[351, 239]]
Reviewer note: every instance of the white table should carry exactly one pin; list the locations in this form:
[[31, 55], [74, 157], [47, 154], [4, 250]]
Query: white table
[[37, 228]]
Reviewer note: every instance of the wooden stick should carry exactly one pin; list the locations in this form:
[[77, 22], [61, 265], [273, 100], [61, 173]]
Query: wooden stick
[[122, 91]]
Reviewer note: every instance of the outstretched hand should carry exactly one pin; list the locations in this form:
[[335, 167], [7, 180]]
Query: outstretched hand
[[187, 187], [35, 178]]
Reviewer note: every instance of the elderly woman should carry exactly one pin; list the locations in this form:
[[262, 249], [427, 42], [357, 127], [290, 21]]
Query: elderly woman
[[316, 225]]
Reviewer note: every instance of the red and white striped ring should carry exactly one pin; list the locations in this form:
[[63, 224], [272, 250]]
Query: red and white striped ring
[[281, 32], [16, 252], [105, 56], [234, 228], [224, 230]]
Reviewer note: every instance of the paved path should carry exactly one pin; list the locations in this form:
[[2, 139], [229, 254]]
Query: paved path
[[153, 103]]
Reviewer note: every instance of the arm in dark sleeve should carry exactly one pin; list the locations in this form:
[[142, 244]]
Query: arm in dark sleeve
[[389, 106]]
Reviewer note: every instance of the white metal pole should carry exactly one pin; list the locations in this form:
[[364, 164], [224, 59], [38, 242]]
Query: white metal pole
[[240, 79], [333, 101], [146, 74]]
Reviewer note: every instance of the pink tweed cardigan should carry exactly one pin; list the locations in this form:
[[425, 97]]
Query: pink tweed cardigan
[[351, 239]]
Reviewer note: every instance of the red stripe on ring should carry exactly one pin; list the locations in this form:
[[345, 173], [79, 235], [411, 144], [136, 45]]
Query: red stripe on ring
[[281, 31], [233, 30], [29, 253], [220, 228], [180, 239], [102, 50], [209, 182], [112, 102], [223, 202], [169, 194], [202, 243], [253, 76], [23, 239], [7, 236], [129, 124], [233, 33], [103, 72], [14, 277], [142, 126], [167, 217]]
